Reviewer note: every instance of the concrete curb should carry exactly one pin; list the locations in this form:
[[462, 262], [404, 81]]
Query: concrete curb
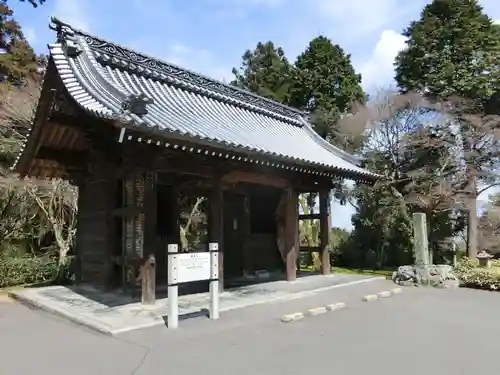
[[80, 320], [317, 311], [320, 310], [336, 306], [106, 329], [292, 317], [384, 294], [397, 291], [381, 295], [369, 298]]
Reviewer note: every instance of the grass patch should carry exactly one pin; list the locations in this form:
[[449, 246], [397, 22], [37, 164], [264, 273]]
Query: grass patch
[[356, 271]]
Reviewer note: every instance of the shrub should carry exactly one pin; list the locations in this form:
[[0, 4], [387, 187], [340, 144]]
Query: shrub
[[26, 270], [473, 276]]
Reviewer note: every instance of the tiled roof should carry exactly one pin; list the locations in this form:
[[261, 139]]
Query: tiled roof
[[101, 75]]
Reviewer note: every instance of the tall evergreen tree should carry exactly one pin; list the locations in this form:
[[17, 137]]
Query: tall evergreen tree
[[325, 78], [326, 85], [453, 50], [265, 71], [18, 60]]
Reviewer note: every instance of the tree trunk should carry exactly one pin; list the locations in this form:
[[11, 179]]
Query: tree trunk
[[471, 191], [472, 221]]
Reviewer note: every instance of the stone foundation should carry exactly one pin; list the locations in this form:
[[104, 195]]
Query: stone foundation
[[438, 276]]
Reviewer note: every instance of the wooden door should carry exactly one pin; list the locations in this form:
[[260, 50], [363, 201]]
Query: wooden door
[[234, 233]]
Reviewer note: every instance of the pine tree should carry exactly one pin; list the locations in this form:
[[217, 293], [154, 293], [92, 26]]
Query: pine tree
[[18, 60], [265, 71], [326, 85], [452, 50]]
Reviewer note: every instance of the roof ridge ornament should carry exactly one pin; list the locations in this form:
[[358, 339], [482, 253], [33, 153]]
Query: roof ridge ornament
[[65, 36], [137, 104], [133, 105]]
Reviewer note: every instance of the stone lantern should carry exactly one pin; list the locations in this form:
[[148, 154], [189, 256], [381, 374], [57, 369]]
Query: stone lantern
[[484, 259]]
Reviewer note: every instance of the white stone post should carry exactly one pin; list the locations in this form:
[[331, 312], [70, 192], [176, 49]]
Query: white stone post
[[420, 245], [173, 288], [214, 280]]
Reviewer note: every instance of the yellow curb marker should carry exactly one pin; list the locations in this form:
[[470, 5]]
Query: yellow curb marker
[[370, 298], [292, 317], [336, 306], [396, 291], [384, 294], [316, 311]]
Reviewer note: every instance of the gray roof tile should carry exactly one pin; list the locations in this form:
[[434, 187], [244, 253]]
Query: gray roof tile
[[102, 75]]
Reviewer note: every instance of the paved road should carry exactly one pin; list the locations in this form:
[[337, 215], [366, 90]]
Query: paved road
[[419, 331]]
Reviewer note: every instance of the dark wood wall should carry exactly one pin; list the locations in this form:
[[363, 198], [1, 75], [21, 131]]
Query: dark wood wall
[[117, 198], [118, 227], [94, 242]]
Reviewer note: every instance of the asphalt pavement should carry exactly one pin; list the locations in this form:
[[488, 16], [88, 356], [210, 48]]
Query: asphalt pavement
[[422, 330]]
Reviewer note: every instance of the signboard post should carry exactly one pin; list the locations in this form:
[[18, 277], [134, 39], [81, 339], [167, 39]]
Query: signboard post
[[213, 249], [189, 267], [173, 288]]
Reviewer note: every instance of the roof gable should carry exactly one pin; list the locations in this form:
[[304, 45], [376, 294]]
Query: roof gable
[[120, 57], [107, 80]]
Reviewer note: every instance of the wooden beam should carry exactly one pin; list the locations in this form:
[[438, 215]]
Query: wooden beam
[[309, 216], [310, 249], [175, 211], [180, 167], [235, 177], [324, 231], [150, 213], [127, 211], [63, 157], [291, 231], [148, 271], [148, 281]]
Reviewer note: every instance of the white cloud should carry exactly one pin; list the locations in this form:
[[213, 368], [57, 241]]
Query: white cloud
[[378, 70], [359, 17], [249, 3], [240, 9], [74, 12], [200, 61]]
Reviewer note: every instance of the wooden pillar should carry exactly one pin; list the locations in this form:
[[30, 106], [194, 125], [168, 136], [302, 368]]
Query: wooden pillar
[[79, 243], [291, 231], [150, 214], [175, 211], [94, 242], [110, 191], [216, 226], [78, 180], [324, 232], [148, 267]]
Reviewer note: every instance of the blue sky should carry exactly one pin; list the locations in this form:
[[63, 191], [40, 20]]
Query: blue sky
[[209, 36]]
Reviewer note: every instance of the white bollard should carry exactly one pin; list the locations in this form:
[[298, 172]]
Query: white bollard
[[214, 281], [173, 289]]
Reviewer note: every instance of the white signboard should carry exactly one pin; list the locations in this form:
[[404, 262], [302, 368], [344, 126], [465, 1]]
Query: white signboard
[[187, 267], [193, 267]]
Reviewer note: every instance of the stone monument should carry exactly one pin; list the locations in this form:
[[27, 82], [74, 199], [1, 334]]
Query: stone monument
[[422, 272]]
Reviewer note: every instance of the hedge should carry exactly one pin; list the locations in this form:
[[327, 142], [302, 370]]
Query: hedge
[[26, 270], [473, 276]]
